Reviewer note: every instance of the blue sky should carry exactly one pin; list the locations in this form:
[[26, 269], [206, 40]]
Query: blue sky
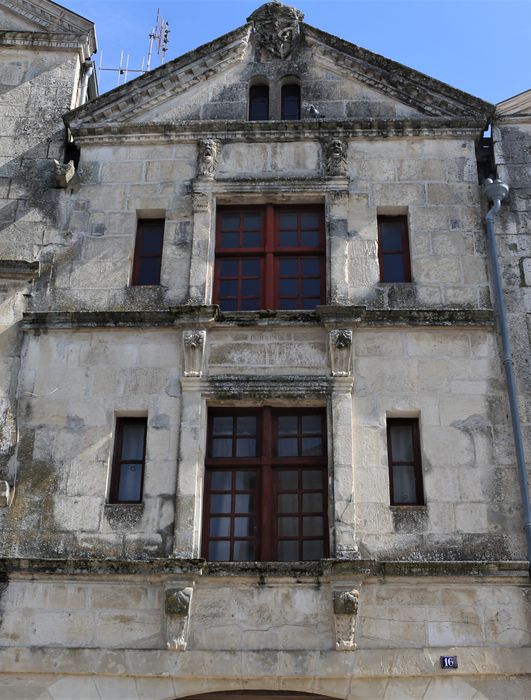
[[480, 46]]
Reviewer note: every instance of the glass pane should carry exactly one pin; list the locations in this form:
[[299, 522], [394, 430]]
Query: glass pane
[[245, 447], [252, 239], [287, 447], [220, 502], [288, 238], [250, 288], [312, 479], [250, 268], [288, 288], [288, 480], [228, 304], [404, 484], [219, 527], [312, 446], [133, 441], [251, 304], [393, 268], [258, 102], [311, 287], [309, 303], [244, 551], [312, 503], [288, 526], [390, 237], [222, 447], [222, 425], [287, 425], [312, 525], [219, 551], [402, 443], [221, 481], [244, 527], [288, 503], [251, 221], [287, 220], [246, 425], [130, 484], [310, 238], [149, 271], [312, 550], [230, 240], [228, 268], [311, 424], [151, 243], [310, 267], [309, 220], [245, 481], [288, 304], [228, 288], [230, 221], [288, 267], [288, 550], [244, 503]]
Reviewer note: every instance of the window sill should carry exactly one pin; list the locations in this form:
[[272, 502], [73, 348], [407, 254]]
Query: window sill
[[122, 516]]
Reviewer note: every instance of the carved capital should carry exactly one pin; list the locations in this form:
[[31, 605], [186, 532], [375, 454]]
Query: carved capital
[[194, 347], [335, 156], [207, 157], [345, 605], [177, 604], [276, 28], [340, 343], [200, 201]]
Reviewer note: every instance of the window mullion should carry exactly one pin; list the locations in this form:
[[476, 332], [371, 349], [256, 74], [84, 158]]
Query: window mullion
[[268, 513], [269, 262]]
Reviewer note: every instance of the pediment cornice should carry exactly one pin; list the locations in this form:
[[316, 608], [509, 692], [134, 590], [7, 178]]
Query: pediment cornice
[[50, 18], [419, 91]]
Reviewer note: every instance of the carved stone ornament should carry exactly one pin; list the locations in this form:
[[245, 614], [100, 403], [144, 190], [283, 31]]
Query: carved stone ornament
[[194, 347], [345, 615], [276, 28], [178, 601], [208, 157], [63, 172], [340, 342], [200, 201], [335, 157]]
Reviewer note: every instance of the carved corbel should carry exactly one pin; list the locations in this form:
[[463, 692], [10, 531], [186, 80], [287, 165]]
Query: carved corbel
[[177, 604], [335, 157], [207, 157], [340, 342], [63, 172], [200, 201], [346, 605], [194, 348]]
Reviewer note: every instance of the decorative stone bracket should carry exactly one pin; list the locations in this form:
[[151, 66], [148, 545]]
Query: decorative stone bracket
[[334, 157], [177, 604], [194, 350], [207, 157], [340, 342], [345, 614], [63, 172]]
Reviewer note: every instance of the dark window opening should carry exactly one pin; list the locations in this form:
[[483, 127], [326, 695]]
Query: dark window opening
[[405, 468], [148, 252], [259, 103], [291, 101], [270, 258], [266, 485], [129, 460], [393, 249]]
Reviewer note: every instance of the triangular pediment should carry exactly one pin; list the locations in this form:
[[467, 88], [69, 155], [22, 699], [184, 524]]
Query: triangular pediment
[[341, 80], [44, 17]]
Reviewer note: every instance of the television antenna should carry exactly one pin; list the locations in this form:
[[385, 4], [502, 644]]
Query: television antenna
[[159, 36]]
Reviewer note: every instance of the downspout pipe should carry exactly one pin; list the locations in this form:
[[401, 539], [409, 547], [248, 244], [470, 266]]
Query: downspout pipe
[[89, 69], [496, 191]]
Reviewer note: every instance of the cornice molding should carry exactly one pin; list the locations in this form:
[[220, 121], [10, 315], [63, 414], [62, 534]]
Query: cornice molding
[[47, 40]]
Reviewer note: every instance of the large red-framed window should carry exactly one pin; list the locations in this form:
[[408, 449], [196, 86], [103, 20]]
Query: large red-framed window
[[270, 258], [266, 485]]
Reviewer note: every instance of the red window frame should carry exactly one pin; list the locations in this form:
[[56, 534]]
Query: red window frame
[[287, 488], [119, 461], [414, 462], [274, 255], [402, 249], [146, 229]]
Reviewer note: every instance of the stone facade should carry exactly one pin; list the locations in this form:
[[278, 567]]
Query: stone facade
[[103, 598]]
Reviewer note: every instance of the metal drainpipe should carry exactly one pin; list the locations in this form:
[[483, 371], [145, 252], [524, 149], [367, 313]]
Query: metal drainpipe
[[496, 192], [89, 69]]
